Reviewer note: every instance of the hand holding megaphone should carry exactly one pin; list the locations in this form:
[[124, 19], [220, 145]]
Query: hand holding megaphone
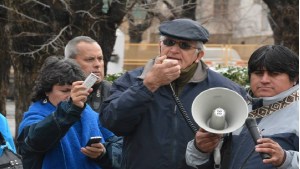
[[218, 110], [206, 142]]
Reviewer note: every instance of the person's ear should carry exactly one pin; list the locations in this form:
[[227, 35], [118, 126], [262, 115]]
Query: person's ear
[[199, 54]]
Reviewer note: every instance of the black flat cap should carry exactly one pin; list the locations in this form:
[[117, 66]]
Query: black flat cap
[[185, 29]]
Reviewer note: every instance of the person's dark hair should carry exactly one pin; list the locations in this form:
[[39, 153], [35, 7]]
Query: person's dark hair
[[55, 71], [275, 58], [71, 48]]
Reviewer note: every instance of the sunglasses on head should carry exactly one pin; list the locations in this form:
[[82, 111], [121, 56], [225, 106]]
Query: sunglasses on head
[[182, 44]]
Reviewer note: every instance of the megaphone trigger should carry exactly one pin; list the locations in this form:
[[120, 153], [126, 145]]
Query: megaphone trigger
[[219, 110]]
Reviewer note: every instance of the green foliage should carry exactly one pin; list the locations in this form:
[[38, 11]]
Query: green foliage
[[113, 77], [236, 74]]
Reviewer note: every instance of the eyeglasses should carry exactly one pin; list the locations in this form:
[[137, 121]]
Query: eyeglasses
[[182, 45]]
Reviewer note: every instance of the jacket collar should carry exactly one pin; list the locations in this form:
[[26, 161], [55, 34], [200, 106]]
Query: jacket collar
[[273, 99]]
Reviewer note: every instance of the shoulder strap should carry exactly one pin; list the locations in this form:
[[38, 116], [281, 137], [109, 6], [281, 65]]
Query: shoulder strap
[[269, 109], [226, 151]]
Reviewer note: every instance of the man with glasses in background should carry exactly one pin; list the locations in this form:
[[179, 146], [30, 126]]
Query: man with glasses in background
[[142, 105]]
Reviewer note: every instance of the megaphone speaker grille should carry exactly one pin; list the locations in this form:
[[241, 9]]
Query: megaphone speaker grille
[[207, 110]]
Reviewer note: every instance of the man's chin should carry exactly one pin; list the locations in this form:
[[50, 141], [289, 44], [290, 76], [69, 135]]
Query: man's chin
[[264, 93]]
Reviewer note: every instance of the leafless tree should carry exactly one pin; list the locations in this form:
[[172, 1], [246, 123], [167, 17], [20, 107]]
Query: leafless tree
[[284, 20], [153, 9], [4, 62], [35, 30]]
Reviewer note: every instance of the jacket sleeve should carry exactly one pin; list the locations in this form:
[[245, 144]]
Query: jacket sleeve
[[43, 135], [4, 129], [197, 159], [123, 110], [291, 161], [113, 156]]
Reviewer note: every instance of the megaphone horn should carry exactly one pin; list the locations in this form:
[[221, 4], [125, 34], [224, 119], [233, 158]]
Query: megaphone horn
[[219, 110]]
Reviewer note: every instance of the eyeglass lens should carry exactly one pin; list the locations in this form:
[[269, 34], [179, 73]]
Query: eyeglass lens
[[182, 45]]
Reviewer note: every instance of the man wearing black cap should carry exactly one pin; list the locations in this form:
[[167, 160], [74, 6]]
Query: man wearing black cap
[[142, 108]]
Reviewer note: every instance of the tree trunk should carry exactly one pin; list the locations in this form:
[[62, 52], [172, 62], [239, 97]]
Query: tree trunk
[[4, 62], [4, 79], [25, 71], [284, 21]]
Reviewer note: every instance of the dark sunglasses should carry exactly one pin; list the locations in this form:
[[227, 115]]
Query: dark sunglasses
[[182, 45]]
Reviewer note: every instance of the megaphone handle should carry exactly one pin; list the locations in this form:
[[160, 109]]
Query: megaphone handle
[[217, 155], [183, 112]]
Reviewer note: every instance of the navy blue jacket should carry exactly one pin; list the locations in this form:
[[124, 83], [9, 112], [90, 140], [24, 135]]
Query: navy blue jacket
[[156, 134]]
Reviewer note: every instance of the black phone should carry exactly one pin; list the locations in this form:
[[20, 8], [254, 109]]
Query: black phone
[[93, 140]]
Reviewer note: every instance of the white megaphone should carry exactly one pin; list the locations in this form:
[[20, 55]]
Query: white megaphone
[[219, 110]]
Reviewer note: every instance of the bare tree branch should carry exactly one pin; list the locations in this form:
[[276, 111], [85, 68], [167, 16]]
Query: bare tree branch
[[52, 42], [67, 6], [38, 2], [87, 13], [23, 15]]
